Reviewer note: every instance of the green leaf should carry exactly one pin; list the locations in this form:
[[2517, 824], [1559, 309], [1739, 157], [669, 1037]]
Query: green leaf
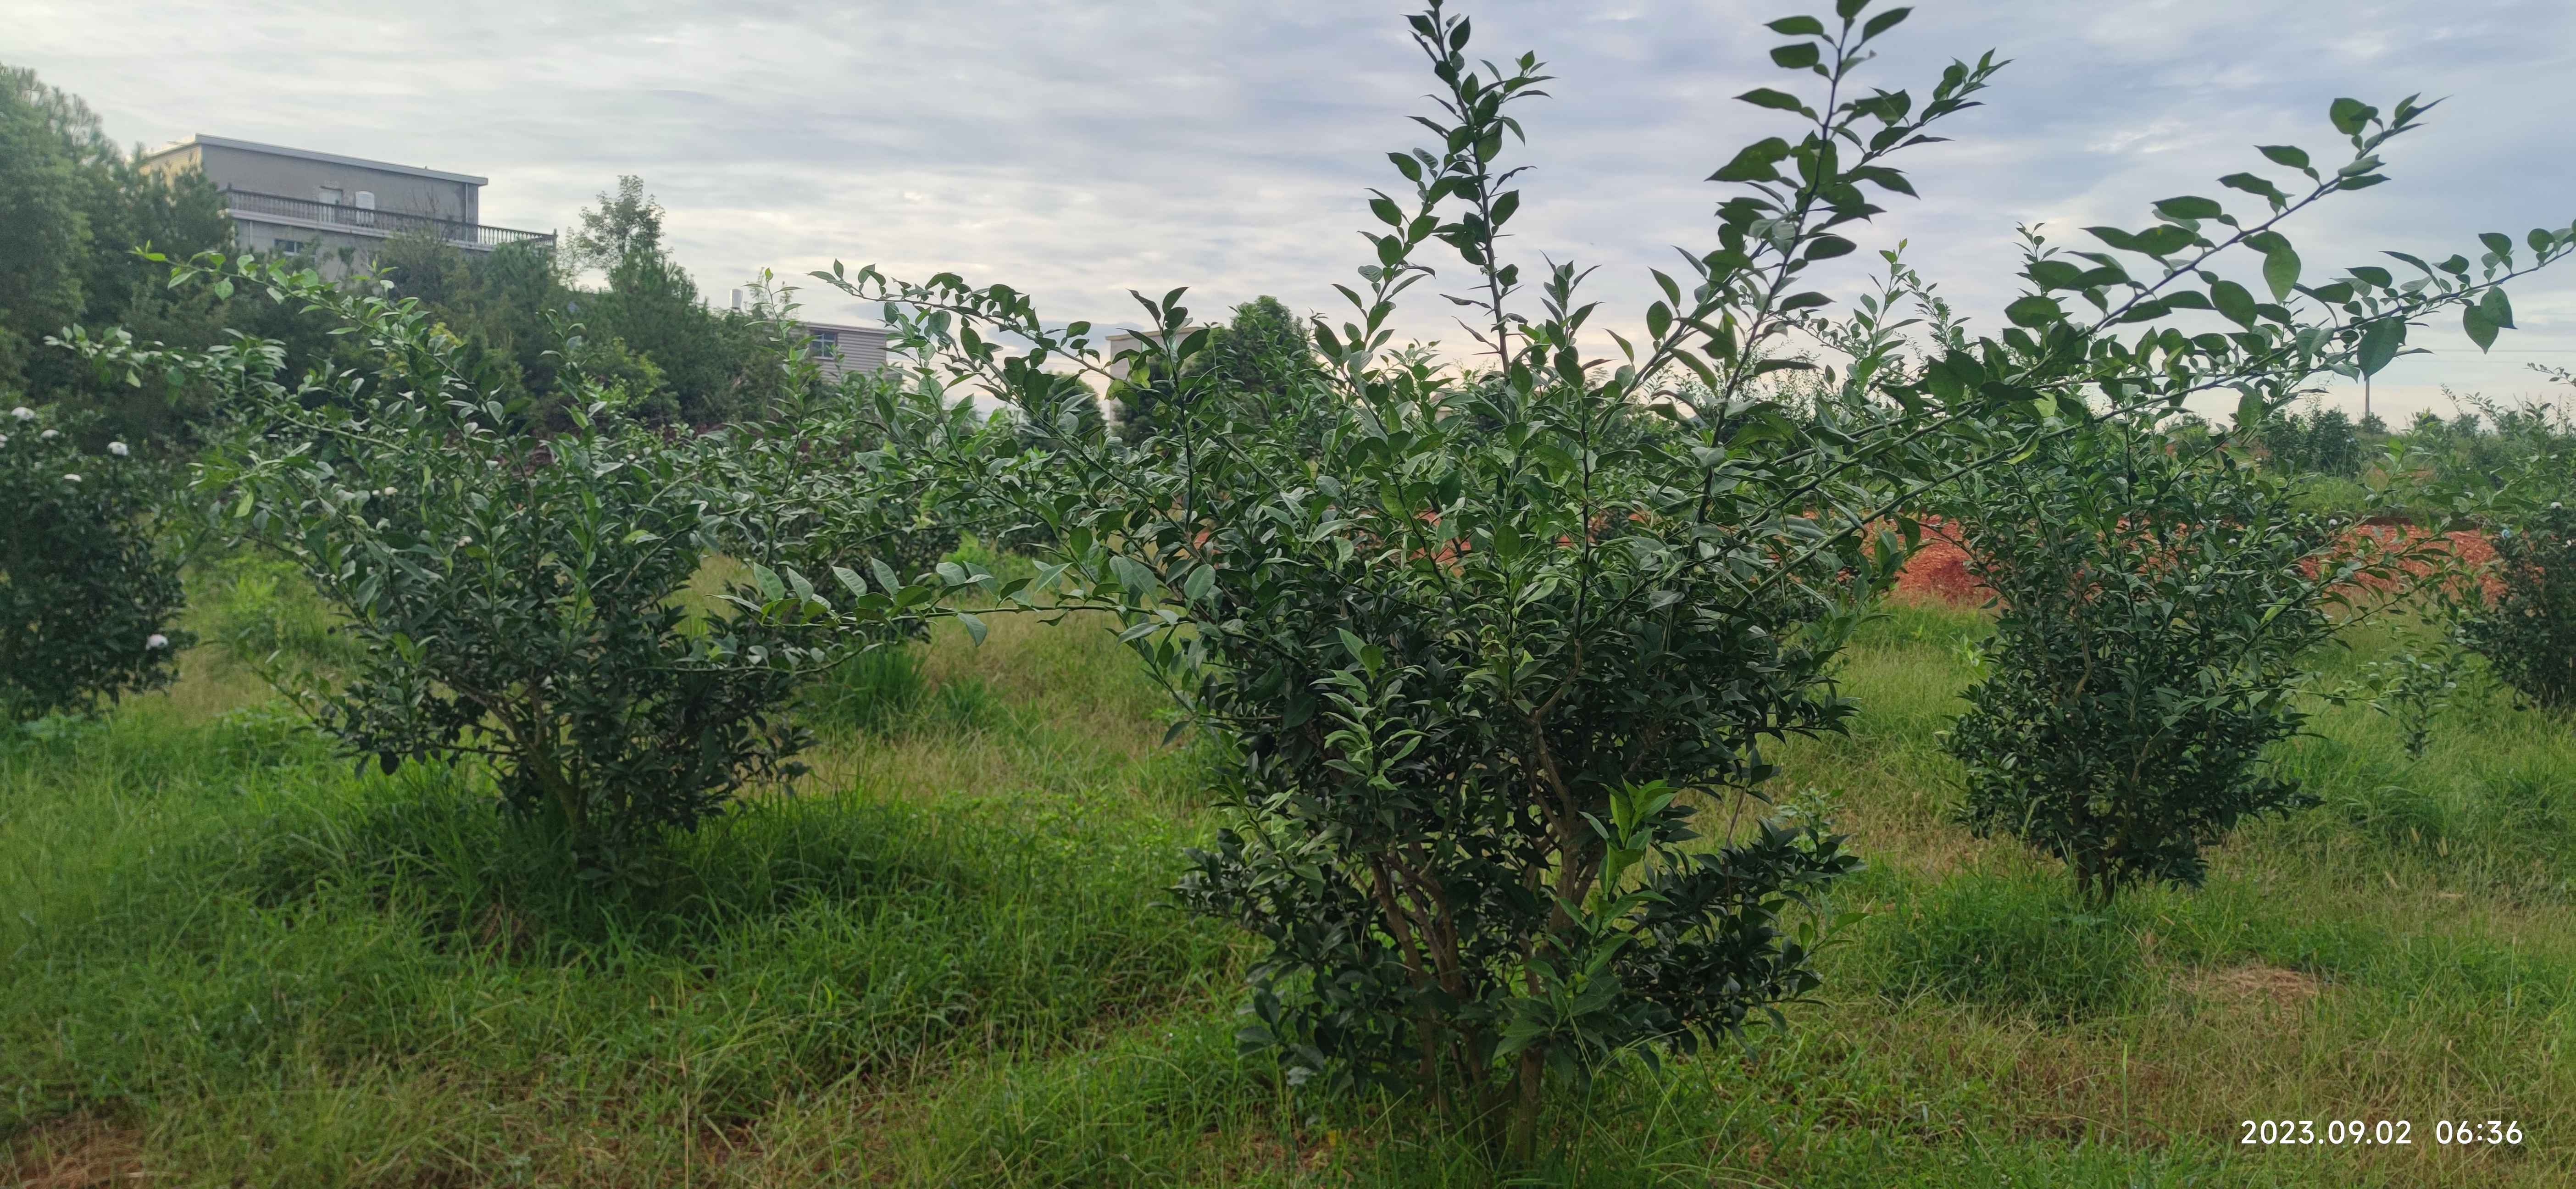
[[2034, 312], [2379, 344], [2496, 309], [1200, 584], [2498, 243], [2164, 241], [2146, 311], [2249, 410], [1755, 162], [2055, 274], [1775, 100], [1797, 56], [2350, 116], [1847, 9], [2189, 206], [974, 627], [1884, 21], [2259, 186], [1883, 177], [2116, 238], [2374, 276], [2281, 271], [1138, 581], [1353, 645], [1826, 247], [1797, 27], [2233, 302], [2480, 331], [2282, 154]]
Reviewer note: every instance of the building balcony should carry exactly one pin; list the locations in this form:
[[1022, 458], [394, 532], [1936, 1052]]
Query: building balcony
[[309, 214]]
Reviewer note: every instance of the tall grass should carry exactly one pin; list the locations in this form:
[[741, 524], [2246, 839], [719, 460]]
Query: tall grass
[[227, 957]]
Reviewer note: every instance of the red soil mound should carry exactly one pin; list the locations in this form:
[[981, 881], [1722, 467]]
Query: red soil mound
[[1938, 570]]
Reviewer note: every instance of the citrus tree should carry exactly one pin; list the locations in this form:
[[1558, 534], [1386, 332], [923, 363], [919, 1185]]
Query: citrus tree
[[2158, 599], [2526, 627], [1497, 650], [88, 588], [2157, 595], [529, 600], [2520, 612]]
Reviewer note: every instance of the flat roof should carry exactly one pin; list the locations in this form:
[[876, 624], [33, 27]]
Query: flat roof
[[226, 142], [810, 324]]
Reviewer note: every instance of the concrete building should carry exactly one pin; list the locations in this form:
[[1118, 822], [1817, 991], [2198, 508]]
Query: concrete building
[[301, 202], [1123, 341], [844, 349]]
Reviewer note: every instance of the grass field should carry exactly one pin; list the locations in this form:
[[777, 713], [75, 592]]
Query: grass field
[[226, 959]]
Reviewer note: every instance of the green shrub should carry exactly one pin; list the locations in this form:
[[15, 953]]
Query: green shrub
[[2413, 687], [525, 600], [2526, 629], [1458, 630], [87, 591], [2157, 599], [1263, 358]]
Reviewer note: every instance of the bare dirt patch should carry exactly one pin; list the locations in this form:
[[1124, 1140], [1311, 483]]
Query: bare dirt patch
[[2252, 984], [76, 1153]]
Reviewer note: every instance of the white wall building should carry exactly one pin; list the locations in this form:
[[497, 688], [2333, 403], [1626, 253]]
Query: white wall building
[[300, 202]]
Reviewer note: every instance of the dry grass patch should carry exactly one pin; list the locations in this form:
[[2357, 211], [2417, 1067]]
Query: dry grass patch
[[77, 1152]]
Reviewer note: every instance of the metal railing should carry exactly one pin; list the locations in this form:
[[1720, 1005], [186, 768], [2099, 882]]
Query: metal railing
[[338, 216]]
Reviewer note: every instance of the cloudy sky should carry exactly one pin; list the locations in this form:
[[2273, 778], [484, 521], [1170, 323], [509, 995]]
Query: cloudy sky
[[1079, 150]]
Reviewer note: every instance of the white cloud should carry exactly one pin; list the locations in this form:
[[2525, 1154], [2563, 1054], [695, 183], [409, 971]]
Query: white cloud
[[1080, 150]]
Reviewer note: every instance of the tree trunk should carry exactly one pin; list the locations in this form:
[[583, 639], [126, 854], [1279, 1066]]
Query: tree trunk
[[1528, 1080]]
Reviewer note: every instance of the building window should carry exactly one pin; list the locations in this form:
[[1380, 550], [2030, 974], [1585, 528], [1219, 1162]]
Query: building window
[[824, 345], [290, 247], [330, 194]]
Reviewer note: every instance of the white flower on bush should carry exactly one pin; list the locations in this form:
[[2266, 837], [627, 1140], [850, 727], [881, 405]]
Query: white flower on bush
[[155, 641], [23, 413], [71, 478], [117, 449], [49, 435]]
